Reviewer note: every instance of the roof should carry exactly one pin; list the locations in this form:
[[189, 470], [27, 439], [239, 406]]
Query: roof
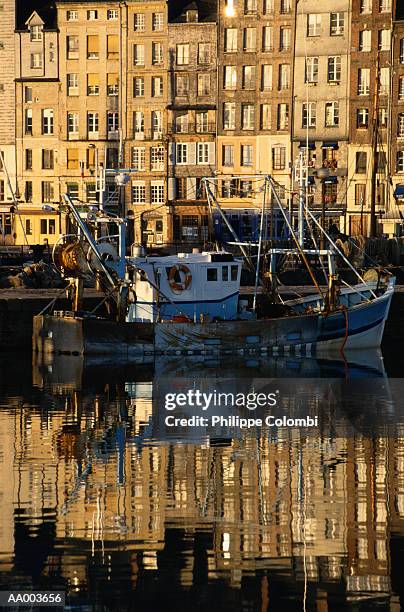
[[46, 9], [207, 9]]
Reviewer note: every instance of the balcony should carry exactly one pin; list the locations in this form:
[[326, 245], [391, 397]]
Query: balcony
[[147, 135], [192, 128]]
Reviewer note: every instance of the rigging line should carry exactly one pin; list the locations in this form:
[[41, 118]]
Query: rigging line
[[3, 162], [316, 246], [299, 248]]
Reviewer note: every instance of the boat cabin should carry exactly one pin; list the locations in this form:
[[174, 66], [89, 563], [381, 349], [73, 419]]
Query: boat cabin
[[195, 286]]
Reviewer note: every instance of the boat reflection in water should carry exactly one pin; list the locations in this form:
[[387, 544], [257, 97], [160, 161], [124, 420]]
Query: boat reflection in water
[[97, 500]]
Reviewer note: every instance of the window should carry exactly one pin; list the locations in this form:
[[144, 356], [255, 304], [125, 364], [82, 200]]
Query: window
[[47, 191], [35, 32], [401, 88], [157, 22], [334, 69], [181, 84], [402, 51], [309, 115], [92, 124], [47, 121], [139, 159], [230, 77], [112, 84], [112, 14], [157, 53], [366, 6], [331, 114], [229, 116], [182, 153], [36, 60], [138, 192], [313, 24], [250, 7], [400, 125], [113, 123], [47, 159], [267, 39], [91, 193], [157, 158], [28, 121], [211, 274], [92, 47], [138, 125], [72, 125], [265, 116], [283, 116], [365, 40], [384, 81], [27, 94], [72, 46], [248, 77], [93, 84], [138, 55], [203, 84], [182, 123], [225, 273], [112, 157], [157, 193], [383, 117], [112, 46], [247, 116], [361, 162], [336, 24], [228, 156], [203, 153], [284, 42], [250, 39], [183, 54], [73, 84], [157, 87], [360, 194], [230, 40], [28, 159], [138, 87], [139, 22], [266, 77], [28, 191], [157, 124], [284, 77], [247, 155], [73, 190], [92, 15], [400, 161], [381, 161], [312, 70], [48, 226], [279, 158], [285, 6], [268, 7], [181, 188], [362, 118], [72, 15], [28, 227], [203, 53], [384, 6], [384, 38], [202, 125], [363, 81]]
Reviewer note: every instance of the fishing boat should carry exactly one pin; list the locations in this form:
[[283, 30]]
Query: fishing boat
[[192, 303]]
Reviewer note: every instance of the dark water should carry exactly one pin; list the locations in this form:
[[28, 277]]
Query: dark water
[[95, 500]]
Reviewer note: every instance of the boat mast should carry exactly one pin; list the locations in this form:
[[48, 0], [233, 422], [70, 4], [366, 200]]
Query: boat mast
[[372, 228], [257, 267]]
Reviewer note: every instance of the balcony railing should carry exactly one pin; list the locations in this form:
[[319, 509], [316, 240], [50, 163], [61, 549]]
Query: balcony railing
[[148, 135], [192, 128]]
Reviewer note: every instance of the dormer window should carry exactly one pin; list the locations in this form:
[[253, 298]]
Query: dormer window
[[36, 33]]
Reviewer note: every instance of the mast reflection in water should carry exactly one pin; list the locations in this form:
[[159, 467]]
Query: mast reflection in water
[[92, 502]]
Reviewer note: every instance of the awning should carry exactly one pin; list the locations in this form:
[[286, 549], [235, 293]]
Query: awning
[[331, 180], [399, 192], [330, 145], [304, 145]]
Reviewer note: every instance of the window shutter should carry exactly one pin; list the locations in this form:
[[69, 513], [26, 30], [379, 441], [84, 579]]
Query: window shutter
[[191, 188], [92, 44], [171, 188], [112, 79], [171, 155], [93, 80], [113, 44], [212, 153], [192, 153]]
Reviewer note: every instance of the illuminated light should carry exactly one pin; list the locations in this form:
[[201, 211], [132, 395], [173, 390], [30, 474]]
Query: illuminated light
[[229, 10]]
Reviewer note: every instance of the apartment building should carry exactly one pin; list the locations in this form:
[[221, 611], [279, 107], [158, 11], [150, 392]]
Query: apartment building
[[321, 101], [254, 103], [370, 113], [191, 122]]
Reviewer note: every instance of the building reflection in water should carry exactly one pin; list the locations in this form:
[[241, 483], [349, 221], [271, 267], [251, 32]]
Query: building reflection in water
[[90, 501]]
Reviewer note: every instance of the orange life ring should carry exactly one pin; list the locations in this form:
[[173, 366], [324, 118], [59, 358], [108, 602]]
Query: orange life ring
[[182, 286]]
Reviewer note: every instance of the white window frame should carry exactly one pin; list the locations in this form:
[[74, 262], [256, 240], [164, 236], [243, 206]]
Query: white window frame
[[365, 41], [202, 153], [313, 24], [309, 115], [311, 69], [47, 121], [36, 33], [139, 22], [230, 40], [138, 54], [72, 15], [158, 22], [36, 61], [139, 159], [93, 124], [337, 23], [332, 114], [138, 188], [72, 125], [230, 77], [229, 109], [182, 54], [157, 195], [112, 14]]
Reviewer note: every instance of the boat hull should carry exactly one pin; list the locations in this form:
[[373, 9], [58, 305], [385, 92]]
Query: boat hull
[[358, 327]]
